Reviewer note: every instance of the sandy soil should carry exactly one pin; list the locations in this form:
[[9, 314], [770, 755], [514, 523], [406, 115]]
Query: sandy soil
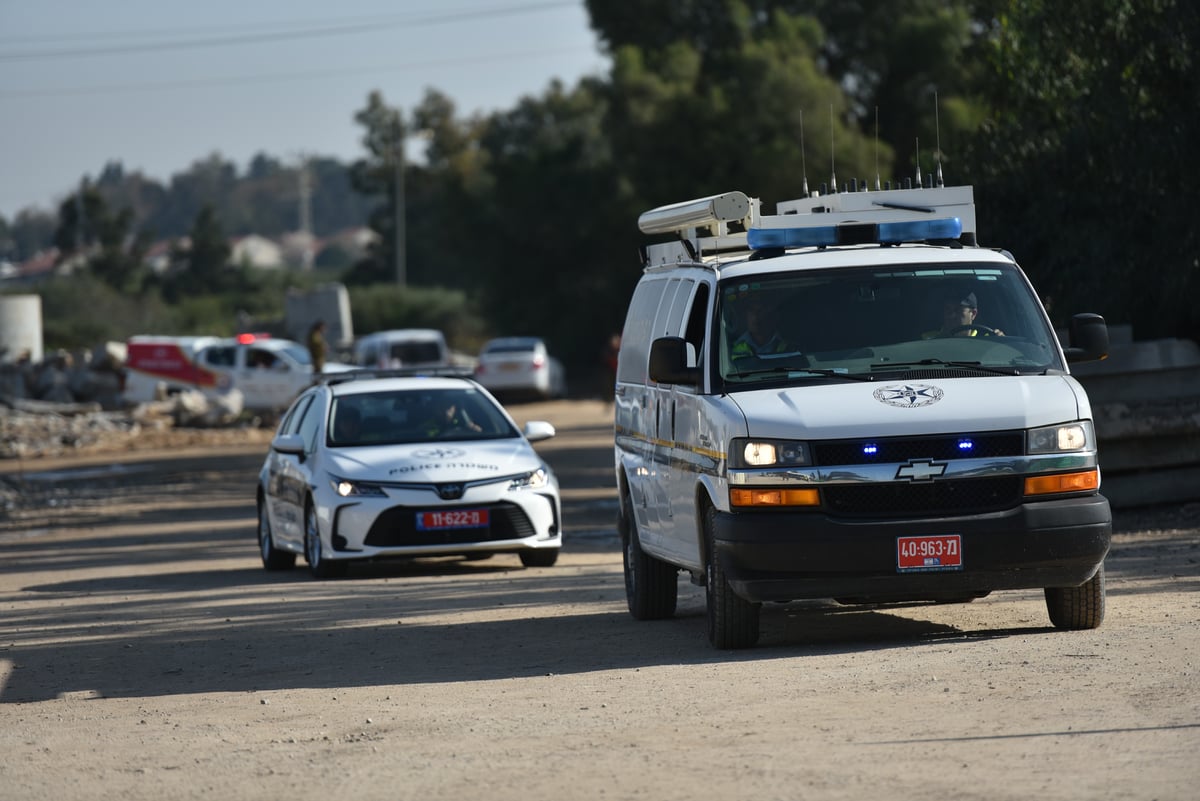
[[144, 654]]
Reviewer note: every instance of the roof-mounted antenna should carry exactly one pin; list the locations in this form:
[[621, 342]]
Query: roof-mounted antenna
[[877, 148], [937, 127], [920, 183], [833, 185], [803, 166]]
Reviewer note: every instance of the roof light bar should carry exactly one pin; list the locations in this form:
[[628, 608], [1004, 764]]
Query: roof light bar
[[854, 234], [726, 207]]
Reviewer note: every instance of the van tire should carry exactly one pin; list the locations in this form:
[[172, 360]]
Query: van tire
[[732, 620], [1075, 608], [651, 585]]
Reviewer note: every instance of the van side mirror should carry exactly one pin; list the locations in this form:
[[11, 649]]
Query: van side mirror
[[669, 362], [1088, 337]]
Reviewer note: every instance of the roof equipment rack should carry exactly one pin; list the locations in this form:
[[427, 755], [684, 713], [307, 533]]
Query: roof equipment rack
[[731, 223]]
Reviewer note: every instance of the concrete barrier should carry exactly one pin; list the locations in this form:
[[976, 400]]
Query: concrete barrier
[[1146, 402]]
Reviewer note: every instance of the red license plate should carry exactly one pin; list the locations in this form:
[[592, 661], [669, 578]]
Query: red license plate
[[933, 552], [452, 518]]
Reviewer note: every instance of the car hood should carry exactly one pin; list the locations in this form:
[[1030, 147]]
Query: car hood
[[436, 462], [898, 408]]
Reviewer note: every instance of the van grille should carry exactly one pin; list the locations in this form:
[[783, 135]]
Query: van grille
[[899, 499]]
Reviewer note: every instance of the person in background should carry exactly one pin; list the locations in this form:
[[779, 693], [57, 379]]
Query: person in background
[[316, 346]]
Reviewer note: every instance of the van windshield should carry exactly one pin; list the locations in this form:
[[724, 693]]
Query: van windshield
[[868, 322]]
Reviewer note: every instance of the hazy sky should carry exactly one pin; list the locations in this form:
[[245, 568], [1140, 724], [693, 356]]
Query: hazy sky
[[158, 84]]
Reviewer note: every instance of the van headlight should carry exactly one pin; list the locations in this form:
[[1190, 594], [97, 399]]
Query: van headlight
[[746, 452], [1063, 438]]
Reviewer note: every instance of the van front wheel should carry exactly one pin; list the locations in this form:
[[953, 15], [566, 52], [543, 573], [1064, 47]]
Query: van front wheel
[[651, 585], [1079, 607], [732, 620]]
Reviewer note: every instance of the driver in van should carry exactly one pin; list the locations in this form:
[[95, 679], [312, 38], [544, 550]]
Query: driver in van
[[958, 319], [761, 337]]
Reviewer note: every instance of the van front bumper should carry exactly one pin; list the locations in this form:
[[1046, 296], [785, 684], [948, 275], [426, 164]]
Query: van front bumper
[[783, 556]]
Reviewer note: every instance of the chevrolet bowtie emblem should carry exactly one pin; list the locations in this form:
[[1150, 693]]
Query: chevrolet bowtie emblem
[[920, 471]]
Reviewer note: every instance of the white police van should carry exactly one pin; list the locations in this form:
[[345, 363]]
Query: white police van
[[850, 399]]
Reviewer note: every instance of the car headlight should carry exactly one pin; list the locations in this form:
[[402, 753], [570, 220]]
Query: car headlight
[[535, 479], [1064, 438], [768, 453], [347, 488]]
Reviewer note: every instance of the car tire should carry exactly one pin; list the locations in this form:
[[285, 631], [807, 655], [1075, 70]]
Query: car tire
[[272, 557], [1076, 608], [314, 550], [733, 622], [651, 585], [539, 557]]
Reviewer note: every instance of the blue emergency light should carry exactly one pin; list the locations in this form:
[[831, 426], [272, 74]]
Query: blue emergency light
[[890, 233]]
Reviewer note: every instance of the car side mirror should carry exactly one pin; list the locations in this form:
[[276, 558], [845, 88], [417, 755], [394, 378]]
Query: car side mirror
[[1088, 338], [289, 443], [538, 430], [669, 362]]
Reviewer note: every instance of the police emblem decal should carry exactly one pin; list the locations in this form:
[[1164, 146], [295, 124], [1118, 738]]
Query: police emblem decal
[[908, 396]]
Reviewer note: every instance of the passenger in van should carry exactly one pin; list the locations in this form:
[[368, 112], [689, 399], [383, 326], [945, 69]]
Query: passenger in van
[[761, 337], [958, 319]]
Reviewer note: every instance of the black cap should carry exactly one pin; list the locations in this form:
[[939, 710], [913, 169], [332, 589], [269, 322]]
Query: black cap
[[967, 300]]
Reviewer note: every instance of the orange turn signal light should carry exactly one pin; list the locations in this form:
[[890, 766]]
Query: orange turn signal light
[[1063, 482], [774, 497]]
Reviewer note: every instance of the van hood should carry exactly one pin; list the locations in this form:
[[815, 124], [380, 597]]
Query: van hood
[[900, 408], [436, 462]]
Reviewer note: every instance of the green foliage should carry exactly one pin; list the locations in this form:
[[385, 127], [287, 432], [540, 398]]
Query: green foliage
[[1086, 170], [81, 311], [382, 307]]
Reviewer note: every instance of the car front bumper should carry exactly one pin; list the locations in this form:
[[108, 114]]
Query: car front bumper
[[380, 527], [791, 555]]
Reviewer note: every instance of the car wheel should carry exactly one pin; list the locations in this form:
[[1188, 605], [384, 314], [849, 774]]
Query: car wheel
[[272, 557], [539, 557], [732, 620], [314, 551], [1079, 607], [651, 585]]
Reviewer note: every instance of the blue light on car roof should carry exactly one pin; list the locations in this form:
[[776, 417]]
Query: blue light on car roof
[[854, 234]]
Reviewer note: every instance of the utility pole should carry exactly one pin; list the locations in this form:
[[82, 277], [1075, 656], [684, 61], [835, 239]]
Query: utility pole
[[401, 245], [306, 233]]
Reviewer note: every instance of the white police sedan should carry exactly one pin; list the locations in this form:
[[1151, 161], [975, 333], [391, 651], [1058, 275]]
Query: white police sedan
[[366, 465]]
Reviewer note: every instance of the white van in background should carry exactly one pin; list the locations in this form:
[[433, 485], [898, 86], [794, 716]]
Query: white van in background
[[403, 348]]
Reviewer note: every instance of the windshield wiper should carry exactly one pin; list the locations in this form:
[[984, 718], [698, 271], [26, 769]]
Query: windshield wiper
[[800, 372], [943, 363]]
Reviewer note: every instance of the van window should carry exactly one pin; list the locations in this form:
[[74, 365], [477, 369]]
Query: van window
[[633, 361], [868, 321]]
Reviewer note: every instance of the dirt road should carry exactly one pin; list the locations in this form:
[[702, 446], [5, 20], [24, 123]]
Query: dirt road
[[144, 654]]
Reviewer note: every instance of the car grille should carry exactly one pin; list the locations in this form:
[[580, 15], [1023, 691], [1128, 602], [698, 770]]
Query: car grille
[[397, 527], [991, 445], [896, 499]]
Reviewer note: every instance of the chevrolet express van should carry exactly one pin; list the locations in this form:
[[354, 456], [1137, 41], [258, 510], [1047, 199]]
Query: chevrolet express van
[[850, 399]]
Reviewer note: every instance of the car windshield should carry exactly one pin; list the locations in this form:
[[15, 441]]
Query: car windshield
[[872, 322], [414, 416], [511, 346]]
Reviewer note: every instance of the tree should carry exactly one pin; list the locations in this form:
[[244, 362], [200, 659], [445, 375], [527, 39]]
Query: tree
[[1087, 163], [113, 251], [375, 175], [202, 266]]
